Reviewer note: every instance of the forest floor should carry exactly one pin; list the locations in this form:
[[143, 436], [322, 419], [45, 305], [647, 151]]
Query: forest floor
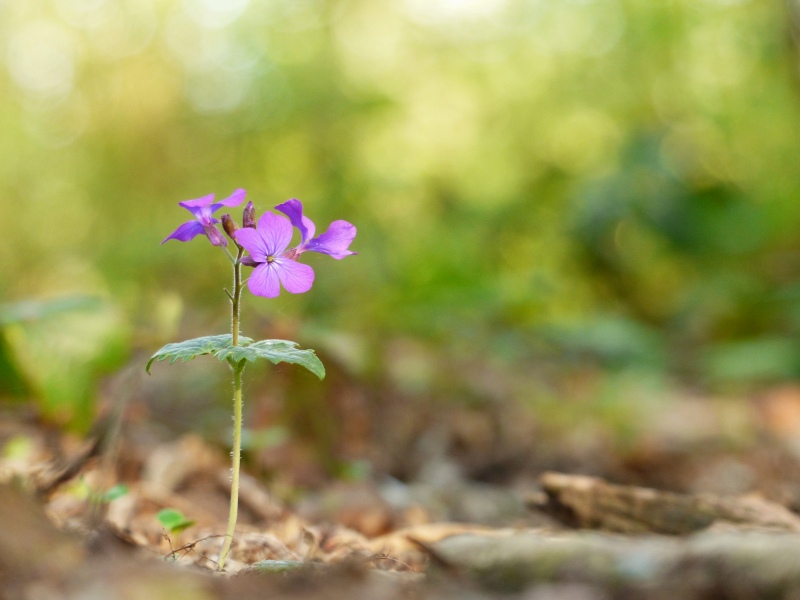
[[700, 501]]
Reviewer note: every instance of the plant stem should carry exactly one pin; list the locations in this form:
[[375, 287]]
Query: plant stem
[[236, 457], [237, 294], [237, 413], [230, 256]]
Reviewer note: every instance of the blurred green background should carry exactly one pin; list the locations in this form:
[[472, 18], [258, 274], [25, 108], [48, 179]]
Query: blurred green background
[[540, 186]]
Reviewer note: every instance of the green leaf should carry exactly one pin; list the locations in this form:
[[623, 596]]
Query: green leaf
[[275, 351], [190, 349], [118, 491], [173, 520]]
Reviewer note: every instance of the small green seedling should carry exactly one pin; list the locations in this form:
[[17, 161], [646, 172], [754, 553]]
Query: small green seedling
[[173, 520]]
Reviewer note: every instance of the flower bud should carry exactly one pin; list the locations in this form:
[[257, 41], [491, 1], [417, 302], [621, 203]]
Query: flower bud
[[248, 261], [249, 216], [229, 226]]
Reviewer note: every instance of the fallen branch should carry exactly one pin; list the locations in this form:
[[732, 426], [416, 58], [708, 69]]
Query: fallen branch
[[587, 502]]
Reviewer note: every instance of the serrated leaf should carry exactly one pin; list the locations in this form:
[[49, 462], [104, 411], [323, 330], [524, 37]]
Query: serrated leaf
[[189, 349], [275, 351]]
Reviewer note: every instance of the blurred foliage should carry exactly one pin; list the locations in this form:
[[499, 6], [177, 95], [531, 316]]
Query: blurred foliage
[[55, 351], [611, 180], [12, 381]]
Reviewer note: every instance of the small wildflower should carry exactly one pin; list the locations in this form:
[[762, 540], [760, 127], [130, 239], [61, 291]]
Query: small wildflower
[[202, 209], [267, 244], [274, 264]]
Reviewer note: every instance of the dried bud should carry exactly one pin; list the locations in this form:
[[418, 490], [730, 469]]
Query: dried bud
[[249, 216], [229, 226]]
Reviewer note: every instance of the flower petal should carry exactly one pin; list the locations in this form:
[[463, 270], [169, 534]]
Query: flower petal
[[335, 241], [294, 210], [235, 199], [186, 232], [204, 201], [251, 240], [276, 233], [264, 281], [296, 277], [214, 236]]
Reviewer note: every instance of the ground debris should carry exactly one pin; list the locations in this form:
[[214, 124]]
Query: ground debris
[[588, 502], [375, 538], [708, 564]]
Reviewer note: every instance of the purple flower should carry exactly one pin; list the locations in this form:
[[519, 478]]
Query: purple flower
[[333, 242], [202, 209], [267, 245], [275, 265]]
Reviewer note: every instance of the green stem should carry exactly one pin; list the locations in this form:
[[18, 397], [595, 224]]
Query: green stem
[[237, 413], [230, 256], [237, 294], [236, 455]]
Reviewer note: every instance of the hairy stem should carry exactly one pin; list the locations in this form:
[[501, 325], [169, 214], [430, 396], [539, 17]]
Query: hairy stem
[[237, 414], [237, 294], [236, 458]]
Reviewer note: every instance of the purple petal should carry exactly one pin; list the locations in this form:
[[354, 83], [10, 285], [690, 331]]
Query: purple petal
[[296, 277], [203, 214], [186, 232], [294, 210], [235, 199], [335, 241], [275, 231], [251, 240], [264, 281], [204, 201], [214, 236]]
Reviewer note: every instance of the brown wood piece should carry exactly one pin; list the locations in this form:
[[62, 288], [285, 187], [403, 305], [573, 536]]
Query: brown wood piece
[[588, 502]]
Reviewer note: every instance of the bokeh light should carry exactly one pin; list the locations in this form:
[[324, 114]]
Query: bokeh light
[[518, 169]]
